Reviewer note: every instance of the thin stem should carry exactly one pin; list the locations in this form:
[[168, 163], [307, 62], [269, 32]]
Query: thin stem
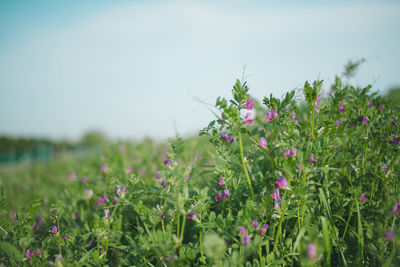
[[243, 163]]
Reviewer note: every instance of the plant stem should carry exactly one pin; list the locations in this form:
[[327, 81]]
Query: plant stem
[[243, 163], [312, 123]]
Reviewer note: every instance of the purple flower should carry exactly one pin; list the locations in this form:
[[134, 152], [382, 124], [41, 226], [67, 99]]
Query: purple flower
[[224, 136], [121, 191], [316, 106], [107, 213], [242, 231], [246, 240], [191, 216], [157, 176], [254, 223], [221, 180], [311, 251], [263, 229], [389, 235], [277, 198], [226, 193], [219, 197], [363, 198], [115, 201], [319, 99], [282, 183], [100, 201], [384, 168], [293, 152], [29, 254], [370, 105], [104, 167], [53, 212], [262, 142], [230, 139], [286, 154], [162, 216], [222, 119], [268, 116], [33, 226], [84, 179], [40, 217], [53, 230], [341, 108], [249, 118], [250, 104], [74, 216], [292, 115], [394, 122], [312, 159], [338, 123], [365, 120], [38, 252], [299, 166], [168, 163], [274, 114], [164, 183], [380, 107], [395, 209], [130, 169]]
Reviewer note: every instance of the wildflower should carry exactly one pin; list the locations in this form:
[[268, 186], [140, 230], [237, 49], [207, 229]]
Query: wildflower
[[395, 209], [230, 139], [221, 180], [394, 141], [33, 226], [64, 237], [370, 105], [191, 216], [380, 108], [14, 215], [104, 167], [384, 168], [365, 120], [277, 198], [222, 119], [321, 130], [121, 191], [299, 167], [249, 118], [107, 213], [168, 163], [246, 240], [292, 115], [53, 212], [219, 197], [254, 223], [242, 231], [157, 176], [224, 136], [262, 142], [74, 216], [293, 152], [363, 198], [312, 159], [319, 99], [394, 122], [29, 254], [263, 229], [162, 216], [164, 183], [40, 217], [227, 193], [38, 252], [130, 169], [286, 154], [389, 235], [84, 179], [341, 108], [268, 116], [282, 183], [311, 251], [274, 114], [164, 155], [250, 104], [122, 148], [71, 175], [53, 230], [338, 123], [100, 201], [296, 122]]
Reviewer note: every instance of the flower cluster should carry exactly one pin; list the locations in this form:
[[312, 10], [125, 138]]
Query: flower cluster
[[227, 137], [220, 197], [290, 153], [269, 116]]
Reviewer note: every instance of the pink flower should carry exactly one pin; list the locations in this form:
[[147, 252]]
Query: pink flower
[[338, 123], [389, 235], [370, 105], [268, 116], [380, 107], [395, 209], [162, 216], [293, 152], [363, 198], [157, 176], [341, 108], [100, 201], [286, 154], [262, 142], [221, 180], [250, 104], [311, 251], [282, 183], [254, 223], [106, 213], [219, 197], [53, 230], [29, 254], [84, 179], [263, 229], [319, 99], [168, 163], [365, 120], [242, 231], [246, 240], [277, 198], [38, 252], [249, 118], [33, 226], [274, 114]]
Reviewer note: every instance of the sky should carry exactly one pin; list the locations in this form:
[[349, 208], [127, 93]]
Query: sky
[[136, 69]]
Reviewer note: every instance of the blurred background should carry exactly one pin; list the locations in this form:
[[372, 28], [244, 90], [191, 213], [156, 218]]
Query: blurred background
[[76, 75]]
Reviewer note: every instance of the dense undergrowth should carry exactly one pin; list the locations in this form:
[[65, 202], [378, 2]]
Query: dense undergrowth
[[282, 183]]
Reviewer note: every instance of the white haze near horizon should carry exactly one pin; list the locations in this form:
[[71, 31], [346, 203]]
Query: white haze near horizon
[[134, 69]]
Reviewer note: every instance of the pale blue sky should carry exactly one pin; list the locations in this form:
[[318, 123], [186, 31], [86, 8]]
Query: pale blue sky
[[131, 68]]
